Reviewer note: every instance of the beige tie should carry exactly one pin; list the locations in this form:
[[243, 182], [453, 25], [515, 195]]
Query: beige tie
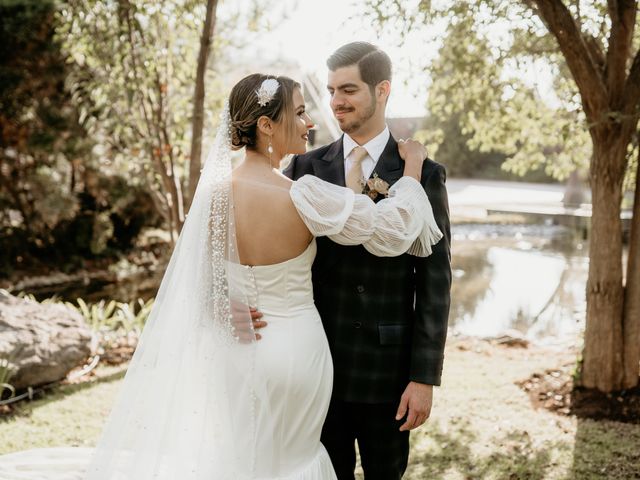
[[354, 175]]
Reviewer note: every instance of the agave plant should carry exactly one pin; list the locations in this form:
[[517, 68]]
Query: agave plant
[[100, 316], [129, 320], [7, 370], [30, 296]]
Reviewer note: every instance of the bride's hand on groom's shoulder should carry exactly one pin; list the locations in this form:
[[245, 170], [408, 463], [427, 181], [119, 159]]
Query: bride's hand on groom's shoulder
[[415, 404], [413, 153], [411, 150]]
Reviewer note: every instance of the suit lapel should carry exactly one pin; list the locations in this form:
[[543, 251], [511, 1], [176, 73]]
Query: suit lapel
[[330, 166]]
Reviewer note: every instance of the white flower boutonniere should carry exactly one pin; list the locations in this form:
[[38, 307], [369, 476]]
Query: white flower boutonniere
[[376, 186]]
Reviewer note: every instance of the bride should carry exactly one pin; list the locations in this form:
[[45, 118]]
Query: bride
[[203, 398]]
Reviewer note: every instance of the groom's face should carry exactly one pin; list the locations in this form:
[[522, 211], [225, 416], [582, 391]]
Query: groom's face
[[352, 102]]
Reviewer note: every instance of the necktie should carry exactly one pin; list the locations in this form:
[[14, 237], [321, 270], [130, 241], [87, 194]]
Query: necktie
[[354, 175]]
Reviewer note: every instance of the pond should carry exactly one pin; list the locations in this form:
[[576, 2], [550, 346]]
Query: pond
[[527, 278]]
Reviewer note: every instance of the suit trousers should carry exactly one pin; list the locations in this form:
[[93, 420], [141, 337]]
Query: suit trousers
[[384, 450]]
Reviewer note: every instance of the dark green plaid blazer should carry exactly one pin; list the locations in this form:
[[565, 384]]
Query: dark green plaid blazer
[[385, 318]]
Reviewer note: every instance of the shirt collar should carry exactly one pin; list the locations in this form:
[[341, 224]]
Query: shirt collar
[[374, 147]]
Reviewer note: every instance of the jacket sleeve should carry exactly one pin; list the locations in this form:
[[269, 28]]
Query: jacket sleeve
[[432, 290], [290, 170]]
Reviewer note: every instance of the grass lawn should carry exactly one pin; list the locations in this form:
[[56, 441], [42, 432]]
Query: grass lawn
[[482, 424]]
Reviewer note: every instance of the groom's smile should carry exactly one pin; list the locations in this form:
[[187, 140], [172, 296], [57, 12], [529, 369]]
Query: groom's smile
[[352, 100]]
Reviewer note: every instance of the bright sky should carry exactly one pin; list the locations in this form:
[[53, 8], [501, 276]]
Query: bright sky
[[314, 29]]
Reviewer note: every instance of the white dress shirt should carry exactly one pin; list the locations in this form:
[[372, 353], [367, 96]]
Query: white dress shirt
[[374, 148]]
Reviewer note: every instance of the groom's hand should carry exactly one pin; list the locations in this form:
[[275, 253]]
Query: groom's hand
[[257, 323], [417, 399], [246, 332]]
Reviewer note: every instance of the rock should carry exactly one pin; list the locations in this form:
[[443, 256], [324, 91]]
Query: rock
[[45, 341], [511, 338]]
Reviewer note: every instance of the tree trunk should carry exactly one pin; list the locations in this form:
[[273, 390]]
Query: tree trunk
[[603, 344], [631, 325], [195, 163]]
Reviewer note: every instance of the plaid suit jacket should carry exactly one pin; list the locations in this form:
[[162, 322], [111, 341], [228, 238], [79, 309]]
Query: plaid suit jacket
[[385, 318]]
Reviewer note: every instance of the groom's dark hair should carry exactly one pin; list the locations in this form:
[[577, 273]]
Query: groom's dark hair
[[373, 63]]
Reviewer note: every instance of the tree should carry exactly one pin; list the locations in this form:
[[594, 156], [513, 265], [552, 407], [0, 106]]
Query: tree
[[610, 93], [39, 133], [195, 161], [133, 74], [467, 80], [53, 196], [592, 48], [140, 84]]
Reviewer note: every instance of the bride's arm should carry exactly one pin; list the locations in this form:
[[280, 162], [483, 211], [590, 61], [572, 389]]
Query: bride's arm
[[401, 223]]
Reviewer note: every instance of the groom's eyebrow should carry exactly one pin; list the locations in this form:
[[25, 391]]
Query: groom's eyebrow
[[344, 86]]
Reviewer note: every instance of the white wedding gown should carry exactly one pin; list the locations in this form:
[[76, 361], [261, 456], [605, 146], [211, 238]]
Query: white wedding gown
[[293, 354]]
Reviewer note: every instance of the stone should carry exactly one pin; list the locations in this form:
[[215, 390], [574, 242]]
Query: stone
[[511, 338], [43, 340]]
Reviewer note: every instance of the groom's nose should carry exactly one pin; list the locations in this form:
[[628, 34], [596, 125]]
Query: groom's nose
[[337, 100]]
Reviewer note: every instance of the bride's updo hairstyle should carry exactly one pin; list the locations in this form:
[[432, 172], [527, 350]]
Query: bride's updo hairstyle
[[245, 109]]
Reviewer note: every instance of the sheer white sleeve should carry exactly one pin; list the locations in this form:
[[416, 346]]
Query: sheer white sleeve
[[401, 223]]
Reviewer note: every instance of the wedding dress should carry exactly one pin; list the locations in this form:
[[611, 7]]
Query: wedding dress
[[202, 402]]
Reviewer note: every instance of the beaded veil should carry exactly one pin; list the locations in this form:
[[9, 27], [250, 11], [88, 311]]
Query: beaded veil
[[191, 405]]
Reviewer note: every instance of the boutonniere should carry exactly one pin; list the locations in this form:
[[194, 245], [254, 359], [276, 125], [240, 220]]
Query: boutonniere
[[375, 186]]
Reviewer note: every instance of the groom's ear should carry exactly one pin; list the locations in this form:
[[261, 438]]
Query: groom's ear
[[383, 90], [265, 125]]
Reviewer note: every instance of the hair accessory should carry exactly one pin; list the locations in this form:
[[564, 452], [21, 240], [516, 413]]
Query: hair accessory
[[267, 91]]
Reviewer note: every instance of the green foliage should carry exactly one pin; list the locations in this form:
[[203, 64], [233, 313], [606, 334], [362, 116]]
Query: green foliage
[[131, 317], [29, 296], [446, 142], [500, 114], [106, 316], [133, 69], [39, 133], [98, 315], [58, 201], [7, 371], [112, 316], [483, 79]]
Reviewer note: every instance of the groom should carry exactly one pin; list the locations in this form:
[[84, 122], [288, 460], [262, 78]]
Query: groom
[[385, 318]]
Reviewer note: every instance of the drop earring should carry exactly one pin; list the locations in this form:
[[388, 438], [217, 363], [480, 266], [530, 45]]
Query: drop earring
[[270, 150]]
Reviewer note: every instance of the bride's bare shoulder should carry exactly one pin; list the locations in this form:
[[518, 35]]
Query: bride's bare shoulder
[[273, 181]]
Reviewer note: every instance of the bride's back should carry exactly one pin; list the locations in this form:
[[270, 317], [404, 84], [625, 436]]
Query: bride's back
[[269, 229]]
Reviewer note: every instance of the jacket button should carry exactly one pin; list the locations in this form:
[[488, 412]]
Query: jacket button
[[360, 288], [357, 324]]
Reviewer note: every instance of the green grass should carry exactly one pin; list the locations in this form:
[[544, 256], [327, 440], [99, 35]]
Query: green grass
[[72, 415], [482, 425]]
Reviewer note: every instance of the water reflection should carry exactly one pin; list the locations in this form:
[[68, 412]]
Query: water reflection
[[528, 278]]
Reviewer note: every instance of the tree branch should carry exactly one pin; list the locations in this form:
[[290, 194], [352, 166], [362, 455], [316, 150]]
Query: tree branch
[[197, 124], [631, 96], [596, 51], [562, 25], [623, 17]]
